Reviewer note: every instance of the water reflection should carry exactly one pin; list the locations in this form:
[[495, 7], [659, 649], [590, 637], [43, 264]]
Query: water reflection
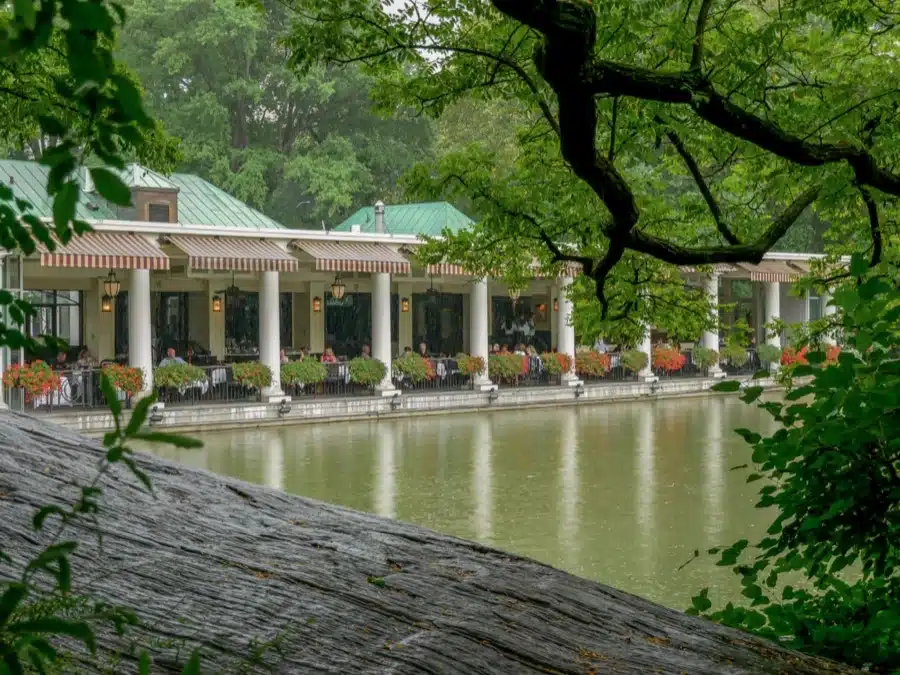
[[620, 493], [482, 480]]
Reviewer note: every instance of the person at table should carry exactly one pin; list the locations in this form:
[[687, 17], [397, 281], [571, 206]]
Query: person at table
[[423, 350], [328, 356], [284, 357], [171, 359], [366, 352], [60, 362], [86, 359]]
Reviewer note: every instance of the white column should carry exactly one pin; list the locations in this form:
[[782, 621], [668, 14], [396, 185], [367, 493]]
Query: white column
[[478, 326], [140, 347], [565, 329], [828, 311], [270, 331], [711, 337], [773, 309], [381, 326], [646, 346]]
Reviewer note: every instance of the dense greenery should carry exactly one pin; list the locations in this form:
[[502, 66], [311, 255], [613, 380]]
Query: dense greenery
[[826, 577], [306, 371]]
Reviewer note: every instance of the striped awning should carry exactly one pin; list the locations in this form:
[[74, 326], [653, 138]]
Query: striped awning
[[773, 271], [340, 256], [447, 270], [235, 254], [720, 268], [106, 250]]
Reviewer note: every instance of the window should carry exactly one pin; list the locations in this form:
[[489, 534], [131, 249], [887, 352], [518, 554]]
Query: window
[[241, 323], [286, 319], [158, 213], [57, 314]]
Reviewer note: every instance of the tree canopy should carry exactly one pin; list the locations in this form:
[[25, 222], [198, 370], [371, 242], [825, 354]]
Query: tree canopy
[[650, 133]]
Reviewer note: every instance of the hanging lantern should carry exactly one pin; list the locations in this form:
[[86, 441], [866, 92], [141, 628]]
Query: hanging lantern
[[555, 304], [111, 288], [514, 294], [404, 305], [317, 304], [338, 288], [216, 303]]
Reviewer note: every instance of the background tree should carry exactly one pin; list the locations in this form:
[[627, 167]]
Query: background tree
[[302, 149]]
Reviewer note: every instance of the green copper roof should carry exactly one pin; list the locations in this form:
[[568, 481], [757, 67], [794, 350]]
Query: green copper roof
[[28, 180], [202, 203], [420, 219], [199, 202]]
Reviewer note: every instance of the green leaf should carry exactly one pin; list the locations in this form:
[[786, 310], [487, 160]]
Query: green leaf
[[139, 416], [51, 126], [144, 663], [10, 600], [52, 554], [138, 472], [26, 13], [111, 187], [751, 394], [64, 205], [38, 521], [192, 667], [112, 399], [701, 602], [727, 386], [859, 266], [750, 436], [78, 630], [170, 439]]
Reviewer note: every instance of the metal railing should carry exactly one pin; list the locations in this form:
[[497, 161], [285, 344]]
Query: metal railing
[[75, 389], [217, 385], [337, 383], [446, 377], [533, 374]]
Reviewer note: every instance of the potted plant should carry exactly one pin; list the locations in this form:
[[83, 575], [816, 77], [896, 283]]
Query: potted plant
[[705, 358], [470, 365], [668, 359], [36, 379], [414, 368], [736, 354], [305, 372], [127, 379], [769, 354], [506, 367], [177, 376], [633, 361], [367, 372], [253, 374], [592, 364], [556, 363]]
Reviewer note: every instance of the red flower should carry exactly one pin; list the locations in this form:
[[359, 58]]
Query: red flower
[[668, 359]]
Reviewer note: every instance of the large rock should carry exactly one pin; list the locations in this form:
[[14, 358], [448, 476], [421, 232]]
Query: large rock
[[250, 574]]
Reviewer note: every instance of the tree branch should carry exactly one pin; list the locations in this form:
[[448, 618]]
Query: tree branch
[[697, 49], [694, 169], [874, 226]]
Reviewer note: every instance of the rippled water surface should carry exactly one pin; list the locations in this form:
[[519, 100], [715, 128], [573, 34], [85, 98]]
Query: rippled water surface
[[619, 493]]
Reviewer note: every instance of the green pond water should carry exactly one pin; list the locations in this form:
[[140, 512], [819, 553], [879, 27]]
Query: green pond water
[[619, 493]]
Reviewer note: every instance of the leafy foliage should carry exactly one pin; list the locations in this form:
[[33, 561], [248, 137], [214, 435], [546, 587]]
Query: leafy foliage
[[633, 361], [592, 364], [367, 372], [705, 357], [36, 378], [124, 378], [470, 365], [414, 367], [306, 371], [830, 476], [668, 359], [769, 353], [556, 363], [178, 375], [507, 367], [252, 374]]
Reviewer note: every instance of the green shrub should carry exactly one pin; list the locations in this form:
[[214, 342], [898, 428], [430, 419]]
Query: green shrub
[[704, 357], [414, 367], [252, 374], [367, 372], [735, 354], [307, 371], [470, 365], [633, 361], [589, 363], [178, 375], [769, 354], [506, 367]]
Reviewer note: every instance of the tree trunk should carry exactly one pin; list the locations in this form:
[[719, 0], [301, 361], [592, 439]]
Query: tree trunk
[[253, 576]]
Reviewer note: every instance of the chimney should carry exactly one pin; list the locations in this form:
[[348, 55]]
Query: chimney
[[379, 217]]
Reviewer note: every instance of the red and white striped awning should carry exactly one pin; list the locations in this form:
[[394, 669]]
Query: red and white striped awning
[[447, 270], [773, 270], [107, 250], [235, 254], [340, 256]]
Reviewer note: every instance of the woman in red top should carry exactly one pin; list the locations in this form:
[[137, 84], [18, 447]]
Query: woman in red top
[[328, 356]]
